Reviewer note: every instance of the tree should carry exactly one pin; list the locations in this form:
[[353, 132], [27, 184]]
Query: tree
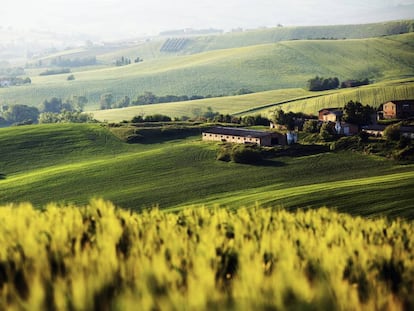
[[356, 113], [322, 84], [137, 119], [286, 119], [327, 131], [53, 105], [157, 118], [124, 102], [210, 114], [311, 126], [78, 102], [21, 113], [65, 117], [106, 101]]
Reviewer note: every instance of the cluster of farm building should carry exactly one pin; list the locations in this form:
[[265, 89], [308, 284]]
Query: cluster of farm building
[[392, 110]]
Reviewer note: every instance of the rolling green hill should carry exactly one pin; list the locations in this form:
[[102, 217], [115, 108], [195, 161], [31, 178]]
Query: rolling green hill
[[151, 48], [265, 67], [73, 163], [297, 100]]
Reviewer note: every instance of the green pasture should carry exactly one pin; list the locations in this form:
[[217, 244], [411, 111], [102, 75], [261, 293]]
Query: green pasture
[[272, 66], [74, 163]]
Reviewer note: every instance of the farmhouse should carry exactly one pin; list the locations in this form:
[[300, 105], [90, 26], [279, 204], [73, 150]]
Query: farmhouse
[[330, 114], [398, 109], [244, 136]]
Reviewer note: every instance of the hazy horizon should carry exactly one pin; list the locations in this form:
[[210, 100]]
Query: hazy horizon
[[112, 19]]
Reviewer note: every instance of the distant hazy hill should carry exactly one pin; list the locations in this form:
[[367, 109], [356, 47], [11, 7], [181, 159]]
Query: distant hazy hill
[[287, 64], [196, 44]]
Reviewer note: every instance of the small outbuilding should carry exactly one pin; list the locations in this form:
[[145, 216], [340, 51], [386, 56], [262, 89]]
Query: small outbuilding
[[398, 109], [244, 136], [330, 114]]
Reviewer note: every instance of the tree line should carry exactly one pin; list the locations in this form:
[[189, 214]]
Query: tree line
[[12, 81], [205, 115], [76, 62], [54, 110], [107, 100], [331, 83]]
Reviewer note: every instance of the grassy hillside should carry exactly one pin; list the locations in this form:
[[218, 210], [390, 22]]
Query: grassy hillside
[[373, 95], [151, 48], [259, 68], [74, 163], [225, 105], [297, 100]]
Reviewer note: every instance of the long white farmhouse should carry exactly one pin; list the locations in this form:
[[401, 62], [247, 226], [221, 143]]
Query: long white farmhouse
[[244, 136]]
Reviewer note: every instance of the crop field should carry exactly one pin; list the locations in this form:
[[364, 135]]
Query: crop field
[[99, 257], [263, 67], [74, 163]]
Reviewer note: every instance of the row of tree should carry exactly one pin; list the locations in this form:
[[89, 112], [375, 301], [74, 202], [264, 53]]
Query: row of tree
[[206, 115], [57, 71], [107, 100], [57, 105], [11, 81], [123, 61], [323, 84], [75, 62], [50, 111]]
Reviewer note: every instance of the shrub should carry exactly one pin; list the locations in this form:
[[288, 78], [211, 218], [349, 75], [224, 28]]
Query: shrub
[[246, 154], [327, 132], [311, 126], [347, 143], [392, 132], [224, 153]]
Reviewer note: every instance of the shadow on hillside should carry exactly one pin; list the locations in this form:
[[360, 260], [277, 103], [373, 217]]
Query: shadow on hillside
[[2, 176], [154, 136], [299, 150], [270, 163]]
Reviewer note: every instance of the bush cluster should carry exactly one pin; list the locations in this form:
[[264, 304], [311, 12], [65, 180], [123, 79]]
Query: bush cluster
[[240, 153]]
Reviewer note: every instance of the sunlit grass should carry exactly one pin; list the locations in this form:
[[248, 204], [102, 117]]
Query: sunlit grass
[[74, 163]]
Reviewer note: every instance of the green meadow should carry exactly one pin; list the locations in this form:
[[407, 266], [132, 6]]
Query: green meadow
[[263, 67], [74, 163]]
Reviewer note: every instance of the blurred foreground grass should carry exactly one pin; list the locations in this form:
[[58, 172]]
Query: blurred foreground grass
[[100, 257]]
